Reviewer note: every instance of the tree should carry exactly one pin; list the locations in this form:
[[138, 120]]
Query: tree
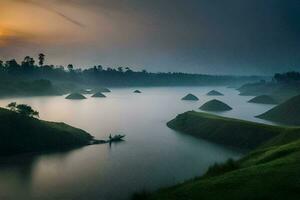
[[70, 67], [23, 109], [41, 59], [28, 63], [12, 106], [1, 66], [120, 69]]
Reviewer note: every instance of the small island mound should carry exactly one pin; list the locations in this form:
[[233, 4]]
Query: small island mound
[[215, 105], [75, 95], [214, 93], [286, 113], [103, 90], [263, 99], [137, 91], [21, 132], [190, 97], [98, 94]]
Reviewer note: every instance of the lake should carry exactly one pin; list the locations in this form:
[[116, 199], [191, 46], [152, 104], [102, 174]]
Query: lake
[[152, 155]]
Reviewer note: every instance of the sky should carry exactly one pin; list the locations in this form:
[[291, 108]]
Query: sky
[[196, 36]]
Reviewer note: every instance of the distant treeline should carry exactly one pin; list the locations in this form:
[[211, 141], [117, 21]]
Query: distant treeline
[[107, 76]]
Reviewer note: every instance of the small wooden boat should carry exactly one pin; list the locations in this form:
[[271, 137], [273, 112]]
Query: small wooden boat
[[116, 138]]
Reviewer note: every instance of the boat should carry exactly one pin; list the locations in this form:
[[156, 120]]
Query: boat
[[116, 138]]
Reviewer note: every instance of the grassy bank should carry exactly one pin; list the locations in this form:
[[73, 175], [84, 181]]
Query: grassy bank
[[22, 134], [269, 171]]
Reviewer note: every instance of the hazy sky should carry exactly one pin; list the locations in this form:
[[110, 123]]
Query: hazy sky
[[202, 36]]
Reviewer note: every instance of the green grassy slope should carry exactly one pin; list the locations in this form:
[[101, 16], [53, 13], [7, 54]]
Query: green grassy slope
[[286, 113], [227, 131], [19, 134], [271, 171]]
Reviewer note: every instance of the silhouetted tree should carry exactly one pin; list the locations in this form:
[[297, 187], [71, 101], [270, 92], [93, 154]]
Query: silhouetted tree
[[120, 69], [70, 67], [41, 59], [1, 66], [12, 106], [23, 109]]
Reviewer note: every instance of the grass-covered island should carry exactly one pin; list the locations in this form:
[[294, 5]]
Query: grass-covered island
[[286, 113], [215, 105], [190, 97], [263, 99], [22, 133], [137, 91], [99, 95], [269, 171], [75, 96], [214, 93]]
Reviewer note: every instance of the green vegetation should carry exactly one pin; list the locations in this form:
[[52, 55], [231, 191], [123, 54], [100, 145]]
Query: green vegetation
[[285, 113], [98, 94], [103, 90], [282, 87], [270, 171], [21, 133], [76, 96], [263, 99], [190, 97], [28, 71], [214, 93], [23, 109], [222, 130], [215, 105]]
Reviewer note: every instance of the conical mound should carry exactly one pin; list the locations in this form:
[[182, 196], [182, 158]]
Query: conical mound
[[215, 105], [286, 113], [75, 96], [103, 90], [190, 97], [98, 94], [214, 93], [137, 91]]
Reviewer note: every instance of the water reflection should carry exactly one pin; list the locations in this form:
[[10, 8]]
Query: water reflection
[[152, 155]]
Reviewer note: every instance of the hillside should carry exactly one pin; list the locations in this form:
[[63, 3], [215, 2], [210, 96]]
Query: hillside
[[214, 93], [190, 97], [215, 105], [268, 172], [286, 113], [20, 134], [263, 99], [227, 131]]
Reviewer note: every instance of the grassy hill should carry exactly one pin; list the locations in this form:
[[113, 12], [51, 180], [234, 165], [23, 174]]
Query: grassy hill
[[270, 171], [263, 99], [222, 130], [286, 113], [20, 134]]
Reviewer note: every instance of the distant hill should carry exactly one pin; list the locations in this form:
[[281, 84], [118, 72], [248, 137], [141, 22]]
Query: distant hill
[[22, 134], [98, 94], [214, 93], [263, 99], [286, 113], [190, 97], [270, 171], [137, 91], [75, 96], [215, 105]]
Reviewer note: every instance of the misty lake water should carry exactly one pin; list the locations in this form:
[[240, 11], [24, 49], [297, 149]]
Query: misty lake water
[[152, 155]]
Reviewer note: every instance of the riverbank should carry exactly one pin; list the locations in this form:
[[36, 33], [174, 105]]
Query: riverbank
[[269, 171]]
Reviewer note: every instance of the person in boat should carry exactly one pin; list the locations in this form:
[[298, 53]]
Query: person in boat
[[110, 137]]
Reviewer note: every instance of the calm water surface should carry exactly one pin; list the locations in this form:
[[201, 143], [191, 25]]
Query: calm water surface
[[152, 156]]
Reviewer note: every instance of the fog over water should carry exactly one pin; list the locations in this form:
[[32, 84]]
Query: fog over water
[[152, 155]]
